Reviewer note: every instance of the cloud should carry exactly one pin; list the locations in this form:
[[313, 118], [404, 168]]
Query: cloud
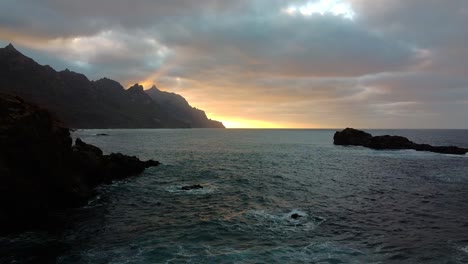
[[113, 53], [438, 26], [268, 43], [304, 62], [294, 46]]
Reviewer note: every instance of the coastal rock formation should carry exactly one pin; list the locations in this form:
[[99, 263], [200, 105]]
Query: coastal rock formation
[[41, 171], [350, 136], [82, 103], [98, 168]]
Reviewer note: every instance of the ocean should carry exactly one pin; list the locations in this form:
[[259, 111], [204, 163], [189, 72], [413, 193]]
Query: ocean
[[354, 205]]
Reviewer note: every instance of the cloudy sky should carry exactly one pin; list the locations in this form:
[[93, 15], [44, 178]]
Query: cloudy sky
[[266, 63]]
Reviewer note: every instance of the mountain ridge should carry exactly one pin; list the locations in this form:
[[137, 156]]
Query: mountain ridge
[[84, 103], [181, 109]]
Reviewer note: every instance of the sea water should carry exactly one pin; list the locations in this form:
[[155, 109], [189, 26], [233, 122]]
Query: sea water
[[356, 205]]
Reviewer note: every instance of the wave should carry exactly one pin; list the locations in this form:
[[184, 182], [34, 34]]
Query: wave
[[207, 189]]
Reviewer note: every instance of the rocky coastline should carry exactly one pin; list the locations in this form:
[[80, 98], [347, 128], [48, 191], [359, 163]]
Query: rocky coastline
[[42, 171], [354, 137]]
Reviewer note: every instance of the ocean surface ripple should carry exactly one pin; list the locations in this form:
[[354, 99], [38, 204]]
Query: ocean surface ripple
[[356, 205]]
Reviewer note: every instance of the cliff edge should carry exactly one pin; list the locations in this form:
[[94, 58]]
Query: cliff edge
[[41, 170]]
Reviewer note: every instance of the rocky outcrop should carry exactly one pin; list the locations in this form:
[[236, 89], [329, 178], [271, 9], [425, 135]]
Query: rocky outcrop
[[98, 168], [350, 136], [40, 169]]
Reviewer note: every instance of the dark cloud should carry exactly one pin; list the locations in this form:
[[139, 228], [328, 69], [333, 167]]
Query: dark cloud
[[438, 26], [395, 64], [297, 46]]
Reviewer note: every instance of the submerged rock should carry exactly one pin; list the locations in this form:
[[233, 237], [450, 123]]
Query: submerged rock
[[102, 134], [296, 216], [191, 187], [350, 136], [40, 170]]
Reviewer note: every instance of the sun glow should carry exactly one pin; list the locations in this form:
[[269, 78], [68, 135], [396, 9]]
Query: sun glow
[[322, 7], [245, 123], [236, 122]]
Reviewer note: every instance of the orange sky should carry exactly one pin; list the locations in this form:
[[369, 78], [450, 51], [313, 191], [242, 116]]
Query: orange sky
[[266, 64]]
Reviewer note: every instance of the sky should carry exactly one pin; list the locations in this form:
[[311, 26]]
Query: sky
[[266, 63]]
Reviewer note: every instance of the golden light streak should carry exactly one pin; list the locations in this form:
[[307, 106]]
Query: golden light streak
[[238, 122], [246, 123]]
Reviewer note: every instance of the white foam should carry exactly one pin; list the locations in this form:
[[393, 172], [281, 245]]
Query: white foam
[[207, 189], [281, 221], [456, 156], [93, 202], [464, 249]]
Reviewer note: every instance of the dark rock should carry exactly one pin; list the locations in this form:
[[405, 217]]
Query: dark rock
[[355, 137], [35, 154], [191, 187], [81, 146], [121, 166], [102, 134], [390, 142], [351, 136], [296, 216], [40, 170], [442, 149], [152, 163]]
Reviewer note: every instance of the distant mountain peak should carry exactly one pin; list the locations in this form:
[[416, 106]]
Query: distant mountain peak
[[74, 75], [108, 80], [10, 47], [12, 50], [109, 85], [154, 88], [11, 55], [136, 88]]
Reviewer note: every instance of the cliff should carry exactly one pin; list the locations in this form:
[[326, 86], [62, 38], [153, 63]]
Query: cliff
[[182, 110], [40, 169]]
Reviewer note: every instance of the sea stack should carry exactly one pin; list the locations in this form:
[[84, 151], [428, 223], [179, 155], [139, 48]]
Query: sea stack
[[354, 137]]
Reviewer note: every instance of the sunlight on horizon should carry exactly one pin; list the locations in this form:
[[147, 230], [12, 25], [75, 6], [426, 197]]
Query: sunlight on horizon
[[257, 124], [245, 123]]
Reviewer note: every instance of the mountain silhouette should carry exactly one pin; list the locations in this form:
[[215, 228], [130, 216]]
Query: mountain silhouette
[[104, 103], [181, 109]]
